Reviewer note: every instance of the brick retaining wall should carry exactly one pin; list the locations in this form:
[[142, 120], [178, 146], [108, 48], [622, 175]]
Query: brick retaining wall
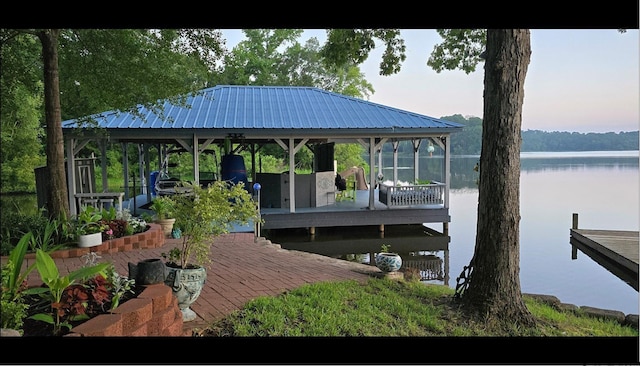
[[154, 312], [152, 238]]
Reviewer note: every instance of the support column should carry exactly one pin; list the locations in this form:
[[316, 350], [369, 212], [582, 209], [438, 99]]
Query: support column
[[395, 162], [447, 169], [196, 161], [125, 168], [71, 177], [292, 174], [103, 164], [416, 159]]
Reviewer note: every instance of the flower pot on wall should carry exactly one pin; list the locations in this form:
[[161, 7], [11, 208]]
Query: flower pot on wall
[[388, 262], [186, 285], [89, 240], [167, 225]]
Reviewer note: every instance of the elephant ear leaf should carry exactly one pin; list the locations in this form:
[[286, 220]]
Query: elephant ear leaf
[[46, 267], [87, 272], [17, 257]]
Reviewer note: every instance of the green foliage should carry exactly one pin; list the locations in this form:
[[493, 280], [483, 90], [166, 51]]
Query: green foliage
[[348, 155], [13, 309], [469, 140], [13, 277], [88, 221], [208, 213], [352, 47], [167, 62], [535, 140], [56, 234], [164, 207], [384, 248], [48, 234], [119, 285], [21, 93], [460, 49], [55, 286], [274, 57]]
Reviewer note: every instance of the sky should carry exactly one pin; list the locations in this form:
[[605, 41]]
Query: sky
[[583, 80]]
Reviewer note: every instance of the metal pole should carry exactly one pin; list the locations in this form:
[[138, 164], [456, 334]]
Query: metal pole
[[256, 231]]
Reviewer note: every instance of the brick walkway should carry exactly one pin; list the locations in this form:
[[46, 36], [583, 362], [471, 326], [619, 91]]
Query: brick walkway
[[241, 270]]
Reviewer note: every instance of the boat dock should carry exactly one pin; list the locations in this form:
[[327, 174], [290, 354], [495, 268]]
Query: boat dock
[[615, 250]]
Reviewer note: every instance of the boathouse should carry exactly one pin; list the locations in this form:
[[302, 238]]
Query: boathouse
[[246, 118]]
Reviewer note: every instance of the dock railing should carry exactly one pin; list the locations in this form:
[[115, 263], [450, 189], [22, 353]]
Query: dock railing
[[99, 200], [407, 195]]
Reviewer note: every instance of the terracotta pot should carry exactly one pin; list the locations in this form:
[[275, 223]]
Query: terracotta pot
[[167, 225]]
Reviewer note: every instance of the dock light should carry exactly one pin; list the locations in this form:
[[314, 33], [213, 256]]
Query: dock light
[[430, 149]]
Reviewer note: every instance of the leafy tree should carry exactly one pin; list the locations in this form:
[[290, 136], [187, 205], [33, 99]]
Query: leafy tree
[[469, 140], [21, 96], [275, 57], [104, 70], [491, 284]]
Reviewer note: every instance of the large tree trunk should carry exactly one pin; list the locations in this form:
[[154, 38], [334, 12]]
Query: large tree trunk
[[494, 280], [58, 204]]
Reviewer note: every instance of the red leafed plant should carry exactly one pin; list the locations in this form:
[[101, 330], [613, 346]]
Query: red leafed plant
[[118, 229], [80, 301]]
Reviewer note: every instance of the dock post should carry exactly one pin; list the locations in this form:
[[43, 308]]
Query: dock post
[[574, 225], [312, 230]]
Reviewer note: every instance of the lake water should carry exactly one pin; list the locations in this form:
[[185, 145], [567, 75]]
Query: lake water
[[602, 187]]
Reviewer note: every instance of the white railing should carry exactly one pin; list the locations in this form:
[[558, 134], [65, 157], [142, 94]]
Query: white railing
[[100, 200], [419, 194]]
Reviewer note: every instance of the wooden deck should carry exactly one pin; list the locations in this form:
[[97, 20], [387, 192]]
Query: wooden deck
[[615, 250], [353, 213]]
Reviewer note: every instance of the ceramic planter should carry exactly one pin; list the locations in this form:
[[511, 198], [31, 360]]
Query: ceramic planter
[[148, 271], [167, 225], [90, 240], [186, 285], [388, 262]]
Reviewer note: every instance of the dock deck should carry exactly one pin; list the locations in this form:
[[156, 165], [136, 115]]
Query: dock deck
[[615, 250]]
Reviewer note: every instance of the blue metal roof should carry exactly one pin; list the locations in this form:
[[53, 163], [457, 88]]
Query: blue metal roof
[[231, 107]]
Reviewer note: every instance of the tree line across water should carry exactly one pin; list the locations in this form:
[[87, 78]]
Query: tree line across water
[[469, 140]]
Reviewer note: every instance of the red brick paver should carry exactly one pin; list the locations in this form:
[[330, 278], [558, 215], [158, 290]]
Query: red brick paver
[[241, 269]]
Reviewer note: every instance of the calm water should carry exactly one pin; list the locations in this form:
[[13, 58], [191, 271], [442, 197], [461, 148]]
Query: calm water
[[602, 187]]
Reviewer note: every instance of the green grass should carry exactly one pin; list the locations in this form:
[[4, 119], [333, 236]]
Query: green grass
[[384, 308]]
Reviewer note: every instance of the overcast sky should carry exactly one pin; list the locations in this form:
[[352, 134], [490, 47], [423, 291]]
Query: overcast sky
[[578, 80]]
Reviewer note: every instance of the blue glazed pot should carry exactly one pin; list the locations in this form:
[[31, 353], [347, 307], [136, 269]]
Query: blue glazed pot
[[388, 262]]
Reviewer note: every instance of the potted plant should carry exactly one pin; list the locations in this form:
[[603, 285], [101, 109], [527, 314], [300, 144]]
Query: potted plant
[[163, 206], [89, 227], [202, 215], [387, 261]]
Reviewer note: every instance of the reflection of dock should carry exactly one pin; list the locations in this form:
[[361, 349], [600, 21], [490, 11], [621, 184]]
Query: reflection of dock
[[615, 250], [429, 266]]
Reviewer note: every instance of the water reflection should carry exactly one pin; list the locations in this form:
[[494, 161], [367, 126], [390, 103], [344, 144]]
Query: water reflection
[[421, 247]]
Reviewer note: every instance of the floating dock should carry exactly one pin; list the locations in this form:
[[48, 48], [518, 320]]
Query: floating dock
[[615, 250]]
